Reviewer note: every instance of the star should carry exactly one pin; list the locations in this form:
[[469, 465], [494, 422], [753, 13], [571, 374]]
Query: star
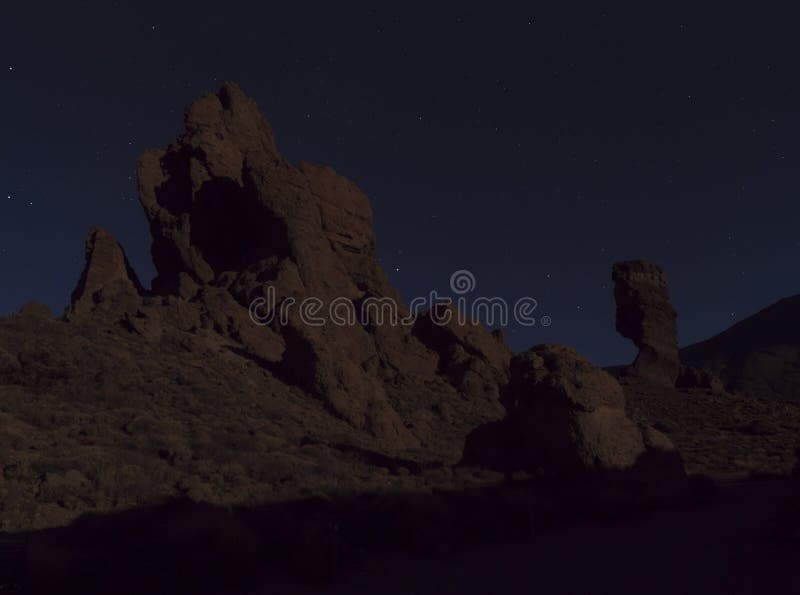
[[10, 68]]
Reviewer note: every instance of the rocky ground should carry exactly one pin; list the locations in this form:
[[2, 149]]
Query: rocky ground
[[721, 434]]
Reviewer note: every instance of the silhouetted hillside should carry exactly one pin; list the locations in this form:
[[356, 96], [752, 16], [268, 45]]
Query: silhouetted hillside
[[759, 355]]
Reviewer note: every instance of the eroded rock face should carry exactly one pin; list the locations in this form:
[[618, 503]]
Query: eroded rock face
[[227, 210], [229, 214], [224, 206], [646, 316], [470, 356]]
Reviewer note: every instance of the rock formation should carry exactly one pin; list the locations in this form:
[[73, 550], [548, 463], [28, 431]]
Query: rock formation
[[646, 316], [108, 282], [226, 210], [473, 359], [35, 310]]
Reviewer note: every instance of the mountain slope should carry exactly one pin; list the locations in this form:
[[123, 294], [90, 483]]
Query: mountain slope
[[759, 355]]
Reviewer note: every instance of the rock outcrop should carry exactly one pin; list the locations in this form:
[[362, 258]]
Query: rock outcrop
[[226, 210], [229, 214], [108, 284], [36, 309], [233, 224], [473, 359], [646, 316]]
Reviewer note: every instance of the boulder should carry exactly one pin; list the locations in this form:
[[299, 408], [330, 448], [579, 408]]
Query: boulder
[[34, 309], [566, 418], [570, 413]]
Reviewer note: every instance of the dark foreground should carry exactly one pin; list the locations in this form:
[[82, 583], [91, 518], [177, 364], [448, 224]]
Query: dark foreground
[[737, 537]]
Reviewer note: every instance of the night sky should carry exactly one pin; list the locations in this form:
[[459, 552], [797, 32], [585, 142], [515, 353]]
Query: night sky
[[532, 146]]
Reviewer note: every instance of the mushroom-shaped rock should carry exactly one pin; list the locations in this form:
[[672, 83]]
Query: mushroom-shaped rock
[[646, 316]]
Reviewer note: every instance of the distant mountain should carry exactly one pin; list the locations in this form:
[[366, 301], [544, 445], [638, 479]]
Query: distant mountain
[[759, 355]]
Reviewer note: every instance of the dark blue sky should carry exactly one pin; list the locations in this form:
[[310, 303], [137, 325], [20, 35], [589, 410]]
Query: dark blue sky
[[531, 146]]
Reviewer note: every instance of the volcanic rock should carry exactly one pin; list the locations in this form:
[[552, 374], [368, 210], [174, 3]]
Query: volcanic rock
[[158, 391], [227, 210], [566, 417], [646, 316], [36, 309], [570, 413], [221, 200], [108, 283]]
